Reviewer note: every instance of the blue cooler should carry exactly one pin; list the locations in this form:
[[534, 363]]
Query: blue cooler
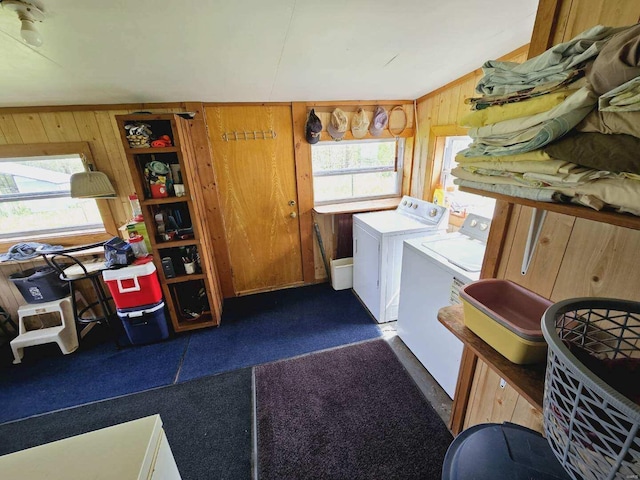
[[145, 324], [501, 452]]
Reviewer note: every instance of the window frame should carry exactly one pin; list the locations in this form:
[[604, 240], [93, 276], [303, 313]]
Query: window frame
[[71, 236], [400, 146]]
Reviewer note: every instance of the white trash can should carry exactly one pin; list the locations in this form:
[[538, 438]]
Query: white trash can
[[342, 273]]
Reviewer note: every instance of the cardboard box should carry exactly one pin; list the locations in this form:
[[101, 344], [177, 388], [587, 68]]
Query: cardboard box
[[135, 228]]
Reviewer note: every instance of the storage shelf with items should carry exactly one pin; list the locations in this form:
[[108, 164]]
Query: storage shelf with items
[[162, 161]]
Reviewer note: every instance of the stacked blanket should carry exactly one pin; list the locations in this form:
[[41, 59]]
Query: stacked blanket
[[563, 126]]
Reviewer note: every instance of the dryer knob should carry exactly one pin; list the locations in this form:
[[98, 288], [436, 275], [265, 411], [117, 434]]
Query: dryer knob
[[483, 226], [404, 202], [474, 223], [415, 205], [409, 204], [433, 212]]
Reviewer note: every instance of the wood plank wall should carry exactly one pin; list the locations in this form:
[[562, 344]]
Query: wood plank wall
[[327, 224], [97, 127]]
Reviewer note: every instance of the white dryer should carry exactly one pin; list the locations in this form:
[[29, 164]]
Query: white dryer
[[433, 269], [377, 251]]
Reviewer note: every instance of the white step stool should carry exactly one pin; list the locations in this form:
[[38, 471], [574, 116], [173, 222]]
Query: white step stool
[[64, 335]]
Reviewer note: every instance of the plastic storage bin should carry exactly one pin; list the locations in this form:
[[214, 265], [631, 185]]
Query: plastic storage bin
[[591, 396], [145, 324], [501, 452], [134, 286], [40, 285], [507, 317], [342, 273]]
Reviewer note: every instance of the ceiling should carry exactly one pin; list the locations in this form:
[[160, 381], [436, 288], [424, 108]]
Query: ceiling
[[122, 51]]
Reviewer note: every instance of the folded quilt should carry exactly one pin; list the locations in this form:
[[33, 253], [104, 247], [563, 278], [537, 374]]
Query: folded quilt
[[547, 166], [536, 194], [625, 98], [621, 194], [553, 65], [611, 123], [613, 153], [532, 156], [525, 108], [618, 61]]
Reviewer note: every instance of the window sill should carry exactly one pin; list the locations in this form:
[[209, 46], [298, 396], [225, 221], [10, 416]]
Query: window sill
[[67, 240], [357, 207]]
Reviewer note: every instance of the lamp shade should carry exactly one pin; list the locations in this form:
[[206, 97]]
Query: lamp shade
[[91, 185]]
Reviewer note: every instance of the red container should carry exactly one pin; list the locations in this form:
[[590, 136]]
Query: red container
[[134, 286]]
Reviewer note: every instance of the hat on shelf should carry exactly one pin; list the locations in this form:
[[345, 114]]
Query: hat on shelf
[[313, 128], [338, 124], [379, 122], [359, 123]]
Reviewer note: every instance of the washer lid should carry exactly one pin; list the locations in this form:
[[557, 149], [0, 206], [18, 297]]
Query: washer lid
[[461, 251], [390, 221]]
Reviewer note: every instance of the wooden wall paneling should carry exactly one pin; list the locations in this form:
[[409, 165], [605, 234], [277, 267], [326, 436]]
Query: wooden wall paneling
[[304, 186], [464, 390], [114, 165], [10, 134], [30, 128], [548, 253], [407, 166], [492, 402], [545, 25], [327, 232], [527, 415], [60, 127], [584, 14], [209, 194], [600, 260]]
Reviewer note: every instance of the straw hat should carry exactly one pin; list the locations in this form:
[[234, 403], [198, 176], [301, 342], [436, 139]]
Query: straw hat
[[359, 123]]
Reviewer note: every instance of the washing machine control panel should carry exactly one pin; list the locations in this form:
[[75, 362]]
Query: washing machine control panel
[[422, 210], [476, 227]]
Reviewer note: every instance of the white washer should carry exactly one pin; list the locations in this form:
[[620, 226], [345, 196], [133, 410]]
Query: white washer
[[377, 251], [433, 270]]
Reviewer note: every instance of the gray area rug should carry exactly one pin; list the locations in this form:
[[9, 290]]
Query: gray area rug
[[348, 413]]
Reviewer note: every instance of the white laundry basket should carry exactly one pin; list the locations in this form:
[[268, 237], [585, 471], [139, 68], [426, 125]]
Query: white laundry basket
[[592, 428]]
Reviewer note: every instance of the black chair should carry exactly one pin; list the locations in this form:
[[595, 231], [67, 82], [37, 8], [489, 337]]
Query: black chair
[[72, 269]]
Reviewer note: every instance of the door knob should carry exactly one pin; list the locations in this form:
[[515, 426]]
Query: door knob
[[293, 214], [292, 203]]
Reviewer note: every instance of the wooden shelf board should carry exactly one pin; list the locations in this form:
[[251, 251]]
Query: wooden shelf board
[[175, 243], [356, 207], [165, 200], [527, 380], [151, 150], [619, 219], [185, 278]]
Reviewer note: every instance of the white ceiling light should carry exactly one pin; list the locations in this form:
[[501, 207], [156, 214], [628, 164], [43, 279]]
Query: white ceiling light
[[29, 14]]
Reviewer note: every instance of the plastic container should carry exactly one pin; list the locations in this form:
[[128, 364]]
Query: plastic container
[[40, 284], [138, 246], [591, 395], [134, 286], [507, 317], [501, 452], [342, 273], [146, 324]]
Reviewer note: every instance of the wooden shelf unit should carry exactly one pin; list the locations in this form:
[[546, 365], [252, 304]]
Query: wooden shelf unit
[[613, 218], [184, 291], [527, 380]]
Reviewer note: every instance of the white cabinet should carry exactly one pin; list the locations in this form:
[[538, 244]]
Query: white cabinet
[[136, 450]]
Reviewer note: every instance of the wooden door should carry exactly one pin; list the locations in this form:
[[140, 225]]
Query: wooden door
[[257, 187]]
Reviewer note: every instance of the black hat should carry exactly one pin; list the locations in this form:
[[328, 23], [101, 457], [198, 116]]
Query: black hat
[[313, 128]]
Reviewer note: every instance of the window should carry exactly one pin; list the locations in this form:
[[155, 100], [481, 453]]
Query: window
[[356, 170], [460, 203], [35, 197]]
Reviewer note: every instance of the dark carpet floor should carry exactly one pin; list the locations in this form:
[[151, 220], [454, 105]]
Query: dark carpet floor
[[348, 413], [207, 421], [255, 329]]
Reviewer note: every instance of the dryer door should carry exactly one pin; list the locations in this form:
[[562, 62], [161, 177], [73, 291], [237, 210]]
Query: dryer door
[[366, 269]]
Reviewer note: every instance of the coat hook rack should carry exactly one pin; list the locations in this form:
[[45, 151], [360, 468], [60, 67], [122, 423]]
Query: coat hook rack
[[249, 135]]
